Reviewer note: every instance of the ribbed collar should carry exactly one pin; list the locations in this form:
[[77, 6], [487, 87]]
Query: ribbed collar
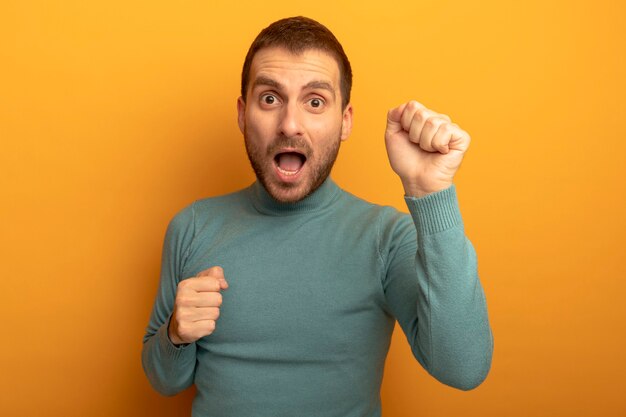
[[265, 203]]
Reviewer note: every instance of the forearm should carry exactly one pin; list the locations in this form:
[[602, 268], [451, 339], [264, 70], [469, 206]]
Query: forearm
[[452, 322], [170, 369]]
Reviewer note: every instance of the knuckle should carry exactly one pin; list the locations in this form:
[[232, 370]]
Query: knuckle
[[184, 316], [180, 315], [179, 299], [184, 330], [197, 333], [423, 115], [430, 123], [445, 127], [210, 326], [182, 300], [415, 105], [214, 299]]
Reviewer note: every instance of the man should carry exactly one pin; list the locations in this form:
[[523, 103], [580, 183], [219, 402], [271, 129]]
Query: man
[[280, 299]]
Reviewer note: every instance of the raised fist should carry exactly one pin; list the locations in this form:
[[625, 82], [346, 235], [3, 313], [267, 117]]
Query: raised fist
[[425, 148]]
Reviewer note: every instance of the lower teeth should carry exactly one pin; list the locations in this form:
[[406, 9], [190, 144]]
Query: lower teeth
[[287, 172]]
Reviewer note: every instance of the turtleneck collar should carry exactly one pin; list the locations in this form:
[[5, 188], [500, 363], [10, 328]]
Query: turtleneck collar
[[265, 203]]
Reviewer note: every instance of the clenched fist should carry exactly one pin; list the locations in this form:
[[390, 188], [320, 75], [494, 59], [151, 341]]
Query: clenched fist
[[425, 148], [197, 306]]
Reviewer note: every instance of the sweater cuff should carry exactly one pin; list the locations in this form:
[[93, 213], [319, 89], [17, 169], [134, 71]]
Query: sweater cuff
[[170, 349], [435, 212]]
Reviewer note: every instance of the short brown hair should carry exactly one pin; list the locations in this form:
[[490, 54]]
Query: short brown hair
[[298, 34]]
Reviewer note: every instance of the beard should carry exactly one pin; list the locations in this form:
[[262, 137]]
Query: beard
[[318, 164]]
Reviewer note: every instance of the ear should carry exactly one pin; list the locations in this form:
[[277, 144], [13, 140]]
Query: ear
[[241, 113], [346, 123]]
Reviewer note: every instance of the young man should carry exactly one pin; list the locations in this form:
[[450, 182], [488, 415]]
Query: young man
[[280, 299]]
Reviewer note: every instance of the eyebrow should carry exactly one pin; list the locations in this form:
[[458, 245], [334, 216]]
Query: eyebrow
[[321, 84], [268, 82], [324, 85]]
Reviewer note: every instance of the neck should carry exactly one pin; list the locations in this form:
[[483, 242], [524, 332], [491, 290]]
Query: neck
[[324, 195]]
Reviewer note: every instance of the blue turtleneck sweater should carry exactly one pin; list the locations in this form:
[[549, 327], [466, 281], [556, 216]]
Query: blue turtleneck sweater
[[315, 288]]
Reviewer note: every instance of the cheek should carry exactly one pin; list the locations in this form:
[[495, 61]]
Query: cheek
[[324, 126], [260, 124]]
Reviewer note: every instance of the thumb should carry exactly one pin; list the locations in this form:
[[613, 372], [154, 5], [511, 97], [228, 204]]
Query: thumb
[[215, 272], [394, 119]]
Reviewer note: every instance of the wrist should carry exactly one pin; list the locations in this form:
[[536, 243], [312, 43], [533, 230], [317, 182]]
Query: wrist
[[417, 190], [172, 334]]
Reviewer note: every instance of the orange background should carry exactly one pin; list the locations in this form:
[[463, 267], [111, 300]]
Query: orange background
[[114, 115]]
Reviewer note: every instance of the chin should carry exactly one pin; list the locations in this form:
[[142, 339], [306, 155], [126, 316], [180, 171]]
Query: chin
[[288, 194]]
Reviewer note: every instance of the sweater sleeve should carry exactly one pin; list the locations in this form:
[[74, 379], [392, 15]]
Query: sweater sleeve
[[432, 288], [170, 369]]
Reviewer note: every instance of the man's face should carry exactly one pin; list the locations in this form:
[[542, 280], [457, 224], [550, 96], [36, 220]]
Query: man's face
[[292, 120]]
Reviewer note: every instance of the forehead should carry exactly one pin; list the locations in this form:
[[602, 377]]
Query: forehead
[[287, 67]]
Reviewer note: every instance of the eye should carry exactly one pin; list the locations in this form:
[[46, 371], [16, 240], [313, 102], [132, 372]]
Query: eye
[[268, 99], [316, 103]]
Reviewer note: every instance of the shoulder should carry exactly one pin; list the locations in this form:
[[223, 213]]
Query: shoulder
[[385, 216], [188, 219], [392, 230], [226, 202]]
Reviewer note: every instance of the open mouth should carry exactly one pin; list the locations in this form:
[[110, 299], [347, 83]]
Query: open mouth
[[289, 163]]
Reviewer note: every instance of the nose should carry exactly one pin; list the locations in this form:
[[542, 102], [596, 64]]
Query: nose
[[290, 124]]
